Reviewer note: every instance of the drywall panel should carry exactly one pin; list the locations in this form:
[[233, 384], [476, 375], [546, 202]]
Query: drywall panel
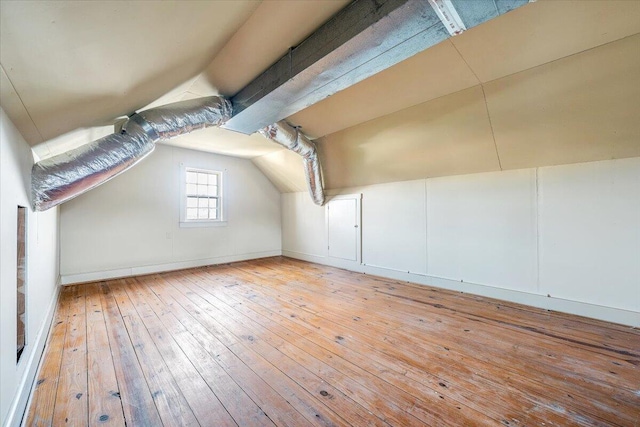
[[581, 108], [289, 206], [69, 141], [41, 277], [482, 229], [303, 225], [78, 64], [394, 226], [273, 28], [132, 221], [254, 218], [225, 142], [430, 74], [14, 108], [590, 232], [125, 221], [447, 136], [487, 229], [285, 170], [544, 31]]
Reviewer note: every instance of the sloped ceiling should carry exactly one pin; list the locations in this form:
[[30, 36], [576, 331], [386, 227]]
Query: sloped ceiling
[[70, 66], [558, 82], [79, 64], [524, 38], [553, 82], [581, 108]]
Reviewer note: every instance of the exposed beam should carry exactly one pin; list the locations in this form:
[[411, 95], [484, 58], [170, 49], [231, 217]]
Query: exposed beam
[[363, 39]]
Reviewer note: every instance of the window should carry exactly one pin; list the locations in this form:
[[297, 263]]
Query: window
[[202, 196], [21, 281]]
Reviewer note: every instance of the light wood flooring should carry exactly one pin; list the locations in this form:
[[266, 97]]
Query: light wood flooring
[[285, 342]]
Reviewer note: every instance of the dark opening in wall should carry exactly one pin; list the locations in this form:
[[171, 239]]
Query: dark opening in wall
[[21, 280]]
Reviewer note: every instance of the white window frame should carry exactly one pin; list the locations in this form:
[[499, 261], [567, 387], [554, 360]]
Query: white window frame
[[221, 221]]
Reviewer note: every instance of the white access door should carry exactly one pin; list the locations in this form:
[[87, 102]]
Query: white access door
[[343, 224]]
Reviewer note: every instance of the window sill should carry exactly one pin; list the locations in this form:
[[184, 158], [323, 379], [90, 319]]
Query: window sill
[[198, 224]]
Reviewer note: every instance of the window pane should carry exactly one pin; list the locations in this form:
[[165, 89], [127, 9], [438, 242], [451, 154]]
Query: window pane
[[203, 190], [192, 178], [192, 202]]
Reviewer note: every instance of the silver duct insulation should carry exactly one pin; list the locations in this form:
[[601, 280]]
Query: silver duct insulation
[[176, 119], [291, 138], [63, 177]]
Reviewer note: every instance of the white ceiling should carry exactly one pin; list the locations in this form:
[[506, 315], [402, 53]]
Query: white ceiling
[[553, 82], [525, 38], [69, 69], [70, 66], [83, 63]]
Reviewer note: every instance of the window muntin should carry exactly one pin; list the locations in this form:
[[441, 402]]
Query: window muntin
[[203, 193]]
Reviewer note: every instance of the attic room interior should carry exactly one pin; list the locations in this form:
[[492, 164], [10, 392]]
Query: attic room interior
[[322, 212]]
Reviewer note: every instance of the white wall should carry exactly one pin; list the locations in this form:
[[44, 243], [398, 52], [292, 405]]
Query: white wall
[[565, 238], [400, 244], [590, 233], [130, 225], [303, 225], [482, 229], [42, 274]]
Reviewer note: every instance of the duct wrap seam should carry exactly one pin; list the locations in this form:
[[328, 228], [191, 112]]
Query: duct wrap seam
[[65, 176], [176, 119], [291, 138]]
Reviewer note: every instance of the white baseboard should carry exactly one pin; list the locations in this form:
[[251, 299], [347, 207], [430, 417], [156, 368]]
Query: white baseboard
[[609, 314], [27, 383], [71, 279]]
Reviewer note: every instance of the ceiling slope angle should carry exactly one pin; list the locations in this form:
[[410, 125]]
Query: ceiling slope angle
[[363, 39], [525, 38], [366, 37], [73, 65]]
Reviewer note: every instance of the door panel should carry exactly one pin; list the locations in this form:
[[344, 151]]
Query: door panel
[[343, 229]]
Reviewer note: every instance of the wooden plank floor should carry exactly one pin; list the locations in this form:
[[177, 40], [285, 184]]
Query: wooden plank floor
[[283, 342]]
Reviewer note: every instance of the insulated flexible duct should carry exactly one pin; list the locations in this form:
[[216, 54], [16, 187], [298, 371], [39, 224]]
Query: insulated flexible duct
[[60, 178], [291, 138], [63, 177]]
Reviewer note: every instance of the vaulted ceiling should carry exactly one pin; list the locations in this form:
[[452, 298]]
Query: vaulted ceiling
[[553, 82], [74, 67]]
